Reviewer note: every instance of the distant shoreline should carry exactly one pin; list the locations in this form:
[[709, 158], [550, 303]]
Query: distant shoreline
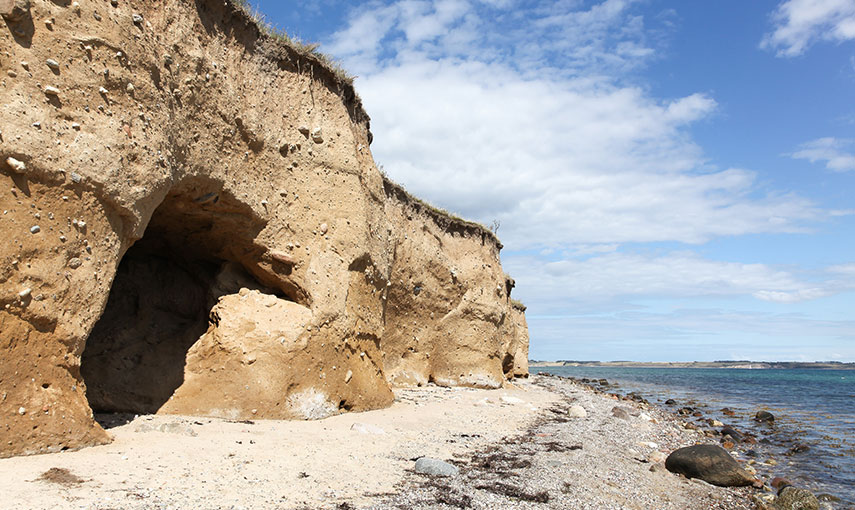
[[817, 365]]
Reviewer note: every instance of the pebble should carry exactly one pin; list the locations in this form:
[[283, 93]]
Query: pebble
[[51, 91], [102, 90], [348, 376], [22, 411], [317, 135], [24, 293], [35, 229], [74, 263], [53, 64], [137, 19]]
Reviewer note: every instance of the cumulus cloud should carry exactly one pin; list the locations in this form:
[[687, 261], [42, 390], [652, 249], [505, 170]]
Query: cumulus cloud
[[833, 151], [482, 110], [801, 23]]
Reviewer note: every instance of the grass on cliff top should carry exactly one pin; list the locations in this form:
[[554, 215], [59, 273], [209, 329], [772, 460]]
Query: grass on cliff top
[[437, 212], [516, 303], [306, 50]]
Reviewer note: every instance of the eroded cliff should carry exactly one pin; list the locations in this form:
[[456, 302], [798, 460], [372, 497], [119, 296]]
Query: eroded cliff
[[194, 224]]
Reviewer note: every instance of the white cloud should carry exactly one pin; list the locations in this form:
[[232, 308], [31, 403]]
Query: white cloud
[[613, 277], [555, 147], [801, 23], [830, 150]]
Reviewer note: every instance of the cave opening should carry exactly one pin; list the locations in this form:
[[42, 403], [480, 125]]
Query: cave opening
[[159, 303]]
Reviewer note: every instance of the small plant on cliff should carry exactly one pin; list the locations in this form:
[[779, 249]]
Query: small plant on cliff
[[516, 303]]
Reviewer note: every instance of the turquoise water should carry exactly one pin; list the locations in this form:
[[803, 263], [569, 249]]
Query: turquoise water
[[811, 407]]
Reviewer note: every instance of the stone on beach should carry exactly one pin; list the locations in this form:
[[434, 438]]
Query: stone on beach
[[709, 463], [435, 467], [577, 411], [620, 412]]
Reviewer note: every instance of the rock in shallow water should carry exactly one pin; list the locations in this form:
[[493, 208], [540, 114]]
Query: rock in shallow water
[[435, 467], [791, 498], [764, 417], [710, 463]]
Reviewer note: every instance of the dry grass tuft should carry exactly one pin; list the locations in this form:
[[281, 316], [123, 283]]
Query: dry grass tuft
[[305, 50], [61, 476]]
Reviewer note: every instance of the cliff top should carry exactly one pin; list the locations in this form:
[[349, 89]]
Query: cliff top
[[279, 46], [443, 218]]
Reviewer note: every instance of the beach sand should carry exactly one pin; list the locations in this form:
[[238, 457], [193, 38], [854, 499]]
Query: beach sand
[[514, 448]]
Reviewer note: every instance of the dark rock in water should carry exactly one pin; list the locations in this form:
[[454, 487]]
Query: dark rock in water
[[728, 412], [727, 444], [765, 440], [670, 402], [749, 440], [711, 464], [799, 448], [751, 453], [780, 482], [733, 433], [685, 411], [620, 412], [697, 414], [585, 380], [764, 417], [603, 382], [791, 498]]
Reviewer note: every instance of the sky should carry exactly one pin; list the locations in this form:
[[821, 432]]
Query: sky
[[671, 180]]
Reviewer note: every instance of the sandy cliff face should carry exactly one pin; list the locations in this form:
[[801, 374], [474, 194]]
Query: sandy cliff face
[[448, 318], [194, 224]]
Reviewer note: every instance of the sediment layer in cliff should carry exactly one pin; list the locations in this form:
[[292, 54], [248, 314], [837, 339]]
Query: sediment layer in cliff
[[195, 225]]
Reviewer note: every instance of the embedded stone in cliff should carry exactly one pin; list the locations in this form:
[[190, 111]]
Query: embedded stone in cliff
[[14, 10]]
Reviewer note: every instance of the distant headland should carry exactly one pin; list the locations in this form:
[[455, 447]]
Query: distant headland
[[821, 365]]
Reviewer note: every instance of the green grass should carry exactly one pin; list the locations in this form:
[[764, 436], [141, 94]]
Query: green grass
[[306, 50]]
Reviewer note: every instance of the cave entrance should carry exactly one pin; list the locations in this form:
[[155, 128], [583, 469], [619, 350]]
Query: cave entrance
[[160, 300]]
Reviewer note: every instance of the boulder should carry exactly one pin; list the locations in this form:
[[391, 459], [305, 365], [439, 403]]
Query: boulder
[[764, 417], [709, 463], [792, 498]]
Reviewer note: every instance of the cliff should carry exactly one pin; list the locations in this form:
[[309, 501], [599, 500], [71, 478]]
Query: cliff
[[195, 225]]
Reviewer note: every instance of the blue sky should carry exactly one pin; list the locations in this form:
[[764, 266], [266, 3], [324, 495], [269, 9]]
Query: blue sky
[[673, 180]]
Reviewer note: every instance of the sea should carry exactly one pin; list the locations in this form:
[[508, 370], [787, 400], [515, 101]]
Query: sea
[[812, 407]]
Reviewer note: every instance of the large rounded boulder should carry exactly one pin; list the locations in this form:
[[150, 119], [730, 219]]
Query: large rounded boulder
[[709, 463]]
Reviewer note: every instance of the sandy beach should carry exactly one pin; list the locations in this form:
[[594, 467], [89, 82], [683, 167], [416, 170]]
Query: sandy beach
[[514, 448]]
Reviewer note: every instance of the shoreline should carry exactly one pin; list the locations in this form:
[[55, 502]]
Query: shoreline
[[734, 365], [514, 448]]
